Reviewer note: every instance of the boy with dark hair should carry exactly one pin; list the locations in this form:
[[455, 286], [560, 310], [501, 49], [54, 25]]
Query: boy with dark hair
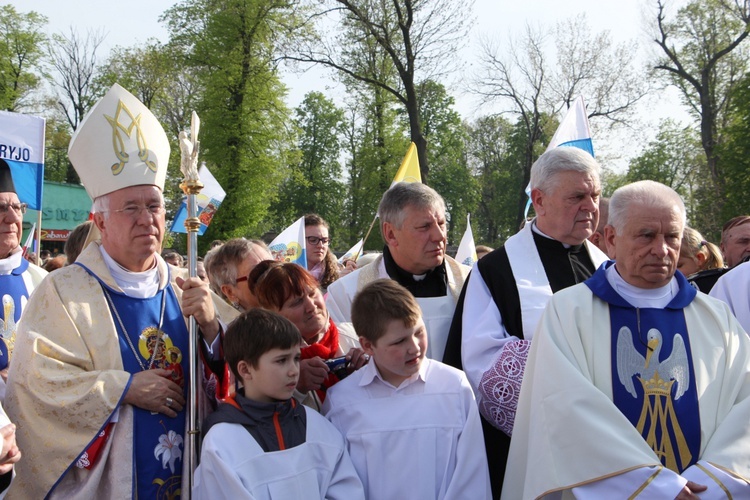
[[411, 423], [261, 444]]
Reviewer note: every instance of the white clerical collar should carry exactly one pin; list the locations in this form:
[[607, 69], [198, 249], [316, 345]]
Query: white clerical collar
[[538, 231], [12, 261], [141, 285], [657, 298]]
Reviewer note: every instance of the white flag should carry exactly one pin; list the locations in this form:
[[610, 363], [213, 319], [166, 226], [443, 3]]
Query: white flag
[[353, 253], [467, 251]]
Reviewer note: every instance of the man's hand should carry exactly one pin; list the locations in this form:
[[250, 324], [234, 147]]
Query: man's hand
[[10, 453], [196, 301], [312, 373], [688, 492], [150, 389]]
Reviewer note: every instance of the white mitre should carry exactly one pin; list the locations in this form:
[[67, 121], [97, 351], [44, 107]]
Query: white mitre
[[119, 144]]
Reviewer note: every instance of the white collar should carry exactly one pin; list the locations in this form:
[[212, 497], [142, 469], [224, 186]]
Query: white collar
[[370, 373], [538, 231], [657, 298], [134, 284], [12, 261]]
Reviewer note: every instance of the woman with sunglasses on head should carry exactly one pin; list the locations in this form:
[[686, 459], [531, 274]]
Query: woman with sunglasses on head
[[288, 289]]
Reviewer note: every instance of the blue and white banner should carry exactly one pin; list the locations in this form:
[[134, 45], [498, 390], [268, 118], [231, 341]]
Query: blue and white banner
[[574, 130], [209, 200], [289, 246], [22, 147]]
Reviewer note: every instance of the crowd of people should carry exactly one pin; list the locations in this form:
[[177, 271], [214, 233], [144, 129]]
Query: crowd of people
[[600, 352]]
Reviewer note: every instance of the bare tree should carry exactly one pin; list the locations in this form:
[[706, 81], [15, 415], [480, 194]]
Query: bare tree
[[419, 37], [703, 57], [593, 66], [74, 60], [535, 91], [519, 80]]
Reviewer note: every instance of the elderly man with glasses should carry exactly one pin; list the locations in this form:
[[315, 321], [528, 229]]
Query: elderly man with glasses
[[228, 267], [99, 391], [18, 277]]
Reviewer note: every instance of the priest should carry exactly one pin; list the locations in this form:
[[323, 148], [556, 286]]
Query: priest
[[636, 385], [508, 289], [413, 226], [18, 277]]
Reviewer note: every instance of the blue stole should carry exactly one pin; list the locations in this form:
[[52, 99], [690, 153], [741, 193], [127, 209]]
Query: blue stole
[[13, 289], [158, 444], [653, 379]]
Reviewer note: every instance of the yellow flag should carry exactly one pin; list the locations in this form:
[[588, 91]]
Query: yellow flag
[[409, 169]]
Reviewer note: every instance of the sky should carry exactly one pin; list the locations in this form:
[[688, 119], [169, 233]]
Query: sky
[[134, 22]]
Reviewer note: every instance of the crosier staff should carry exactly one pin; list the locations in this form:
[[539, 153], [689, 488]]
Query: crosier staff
[[191, 186]]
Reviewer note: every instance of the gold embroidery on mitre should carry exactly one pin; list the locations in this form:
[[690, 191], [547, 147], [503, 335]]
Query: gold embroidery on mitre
[[657, 412], [118, 143]]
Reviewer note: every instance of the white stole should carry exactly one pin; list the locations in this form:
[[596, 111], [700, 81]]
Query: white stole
[[533, 286]]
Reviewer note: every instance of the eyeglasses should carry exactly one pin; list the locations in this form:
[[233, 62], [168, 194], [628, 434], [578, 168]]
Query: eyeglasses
[[314, 240], [18, 208], [134, 211], [241, 278]]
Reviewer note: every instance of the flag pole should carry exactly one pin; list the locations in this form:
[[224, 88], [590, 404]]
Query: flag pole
[[38, 237], [364, 240], [191, 186]]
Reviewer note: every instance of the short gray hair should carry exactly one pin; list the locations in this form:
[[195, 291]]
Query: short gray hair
[[561, 159], [101, 205], [221, 263], [644, 193], [407, 194]]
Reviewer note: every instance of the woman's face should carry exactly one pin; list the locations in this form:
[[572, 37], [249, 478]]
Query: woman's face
[[308, 313], [688, 265], [316, 252]]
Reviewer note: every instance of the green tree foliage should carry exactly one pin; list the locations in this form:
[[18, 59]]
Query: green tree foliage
[[143, 70], [675, 159], [376, 144], [22, 50], [704, 55], [313, 184], [447, 138], [231, 45], [499, 179], [419, 38], [734, 153], [57, 139]]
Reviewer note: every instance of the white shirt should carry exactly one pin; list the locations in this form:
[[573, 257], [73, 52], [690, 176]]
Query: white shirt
[[421, 440], [233, 465]]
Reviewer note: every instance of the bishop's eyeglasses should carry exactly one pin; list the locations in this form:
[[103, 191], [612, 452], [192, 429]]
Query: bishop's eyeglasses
[[18, 208]]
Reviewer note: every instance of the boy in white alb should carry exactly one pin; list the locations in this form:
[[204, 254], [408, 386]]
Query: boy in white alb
[[262, 444], [411, 424]]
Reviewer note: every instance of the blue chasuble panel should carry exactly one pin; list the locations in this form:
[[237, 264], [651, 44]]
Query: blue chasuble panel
[[158, 439]]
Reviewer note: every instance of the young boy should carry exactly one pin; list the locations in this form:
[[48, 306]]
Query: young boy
[[411, 424], [262, 444]]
